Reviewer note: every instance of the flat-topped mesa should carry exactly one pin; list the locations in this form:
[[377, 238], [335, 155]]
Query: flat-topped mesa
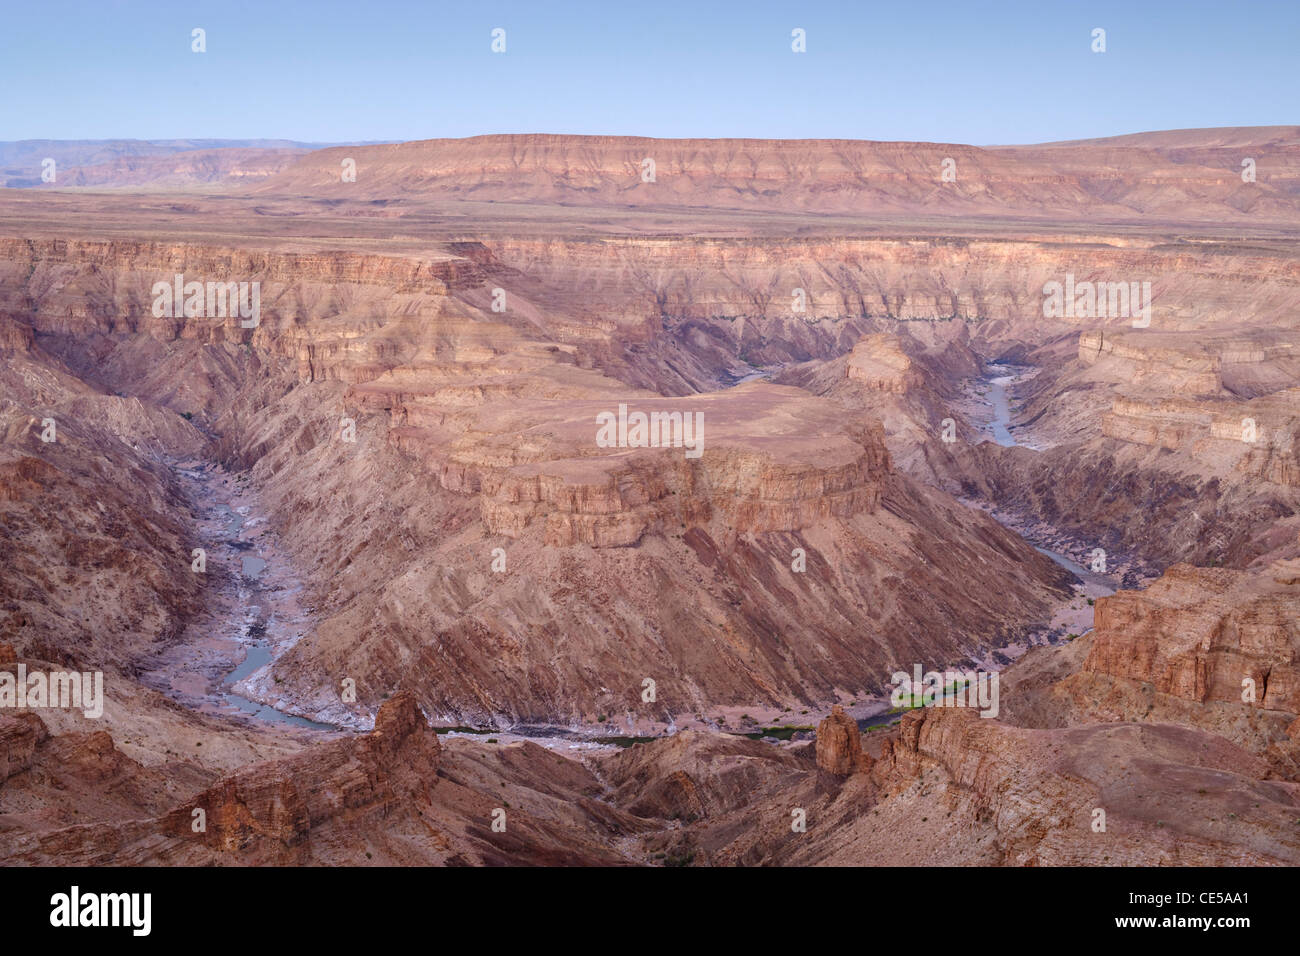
[[768, 459], [662, 491], [829, 176]]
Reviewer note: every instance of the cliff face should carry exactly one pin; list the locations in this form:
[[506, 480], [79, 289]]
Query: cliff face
[[947, 787], [19, 738], [1165, 445], [268, 813], [673, 314], [1202, 633], [760, 474], [1228, 397], [95, 560], [1207, 648], [693, 278]]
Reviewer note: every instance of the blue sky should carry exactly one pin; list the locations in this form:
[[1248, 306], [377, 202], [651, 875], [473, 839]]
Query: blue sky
[[971, 72]]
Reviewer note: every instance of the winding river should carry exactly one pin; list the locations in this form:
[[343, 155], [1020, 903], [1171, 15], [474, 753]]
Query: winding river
[[258, 650], [255, 615], [1000, 399]]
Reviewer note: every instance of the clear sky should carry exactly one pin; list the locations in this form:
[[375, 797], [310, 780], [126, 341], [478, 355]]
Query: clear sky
[[930, 70]]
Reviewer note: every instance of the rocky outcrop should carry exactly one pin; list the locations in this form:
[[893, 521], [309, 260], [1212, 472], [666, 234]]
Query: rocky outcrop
[[1209, 649], [879, 363], [265, 811], [1254, 438], [15, 336], [1096, 795], [692, 776], [839, 745], [1201, 634], [19, 737], [1225, 400], [393, 796], [584, 494]]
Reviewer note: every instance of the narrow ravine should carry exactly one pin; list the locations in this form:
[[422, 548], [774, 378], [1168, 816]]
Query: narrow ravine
[[989, 399], [254, 611], [988, 408], [1001, 410], [1000, 381]]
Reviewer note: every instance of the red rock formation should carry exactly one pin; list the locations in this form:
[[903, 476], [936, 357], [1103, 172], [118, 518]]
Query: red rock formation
[[265, 810], [693, 775], [19, 737], [1169, 794], [1200, 633], [839, 745]]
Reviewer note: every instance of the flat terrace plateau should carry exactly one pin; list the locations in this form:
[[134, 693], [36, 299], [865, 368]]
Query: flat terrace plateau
[[406, 222]]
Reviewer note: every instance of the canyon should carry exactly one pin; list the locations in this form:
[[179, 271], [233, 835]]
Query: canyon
[[438, 621]]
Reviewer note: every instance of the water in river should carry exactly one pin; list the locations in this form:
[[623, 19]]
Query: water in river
[[1001, 409], [258, 656], [252, 611], [1001, 424], [239, 614]]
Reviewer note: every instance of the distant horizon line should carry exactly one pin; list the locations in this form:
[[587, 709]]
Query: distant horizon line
[[326, 144]]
